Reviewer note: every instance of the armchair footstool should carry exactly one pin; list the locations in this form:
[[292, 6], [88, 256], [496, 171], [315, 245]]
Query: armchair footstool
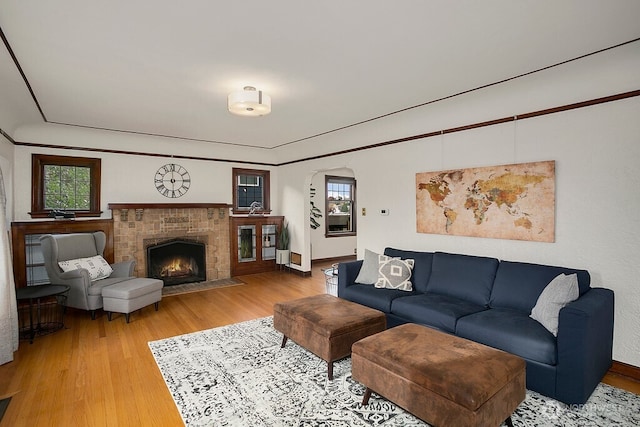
[[127, 297], [440, 378]]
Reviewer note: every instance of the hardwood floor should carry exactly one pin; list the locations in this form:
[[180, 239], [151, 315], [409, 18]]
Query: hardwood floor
[[101, 373]]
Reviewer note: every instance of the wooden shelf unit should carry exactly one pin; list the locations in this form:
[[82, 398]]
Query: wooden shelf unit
[[21, 230], [251, 231]]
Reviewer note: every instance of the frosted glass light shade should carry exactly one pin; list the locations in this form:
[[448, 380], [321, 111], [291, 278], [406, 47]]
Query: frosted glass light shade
[[249, 102]]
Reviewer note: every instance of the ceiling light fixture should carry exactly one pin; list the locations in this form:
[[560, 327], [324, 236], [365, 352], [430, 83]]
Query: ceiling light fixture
[[249, 102]]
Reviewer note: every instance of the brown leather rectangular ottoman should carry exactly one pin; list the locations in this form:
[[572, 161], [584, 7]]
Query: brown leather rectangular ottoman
[[442, 379], [326, 325]]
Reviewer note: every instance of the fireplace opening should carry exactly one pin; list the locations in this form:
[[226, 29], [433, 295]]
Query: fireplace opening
[[177, 261]]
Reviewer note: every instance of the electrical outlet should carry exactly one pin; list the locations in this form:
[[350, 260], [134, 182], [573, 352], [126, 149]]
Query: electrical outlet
[[384, 212], [364, 211]]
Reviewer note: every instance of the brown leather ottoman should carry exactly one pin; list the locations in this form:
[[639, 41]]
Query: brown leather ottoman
[[326, 325], [440, 378]]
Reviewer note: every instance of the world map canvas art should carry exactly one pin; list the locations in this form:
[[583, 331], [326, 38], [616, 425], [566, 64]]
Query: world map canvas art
[[514, 202]]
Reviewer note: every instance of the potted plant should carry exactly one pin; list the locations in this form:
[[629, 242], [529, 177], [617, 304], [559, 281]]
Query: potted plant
[[282, 245]]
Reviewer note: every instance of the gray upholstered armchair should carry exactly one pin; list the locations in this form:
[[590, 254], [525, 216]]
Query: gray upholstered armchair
[[84, 293]]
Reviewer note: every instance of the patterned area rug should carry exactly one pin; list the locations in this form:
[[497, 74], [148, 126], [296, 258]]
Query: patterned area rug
[[238, 375], [200, 286]]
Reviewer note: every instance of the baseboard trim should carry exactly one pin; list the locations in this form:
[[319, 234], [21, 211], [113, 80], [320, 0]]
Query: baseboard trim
[[334, 260], [288, 269], [625, 370]]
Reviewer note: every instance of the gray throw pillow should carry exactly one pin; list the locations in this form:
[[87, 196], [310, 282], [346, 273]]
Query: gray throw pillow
[[559, 292], [368, 274], [395, 273]]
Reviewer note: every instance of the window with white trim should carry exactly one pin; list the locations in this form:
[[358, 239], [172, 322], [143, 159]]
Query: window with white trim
[[340, 206]]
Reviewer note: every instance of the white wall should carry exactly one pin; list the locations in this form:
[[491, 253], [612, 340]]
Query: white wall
[[73, 136], [597, 154], [129, 178], [6, 164], [321, 246]]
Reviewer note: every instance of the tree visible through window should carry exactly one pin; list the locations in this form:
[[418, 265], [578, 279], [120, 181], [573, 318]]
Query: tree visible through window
[[66, 184], [67, 187], [340, 206]]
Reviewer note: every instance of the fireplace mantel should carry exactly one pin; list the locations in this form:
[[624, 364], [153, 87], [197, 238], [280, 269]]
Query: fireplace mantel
[[113, 206]]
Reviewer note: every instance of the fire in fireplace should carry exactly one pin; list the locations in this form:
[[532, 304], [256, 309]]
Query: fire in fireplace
[[177, 261]]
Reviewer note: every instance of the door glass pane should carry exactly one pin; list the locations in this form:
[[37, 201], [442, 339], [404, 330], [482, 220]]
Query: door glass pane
[[269, 242], [246, 243]]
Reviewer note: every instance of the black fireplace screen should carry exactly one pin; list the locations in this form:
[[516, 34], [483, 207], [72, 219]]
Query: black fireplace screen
[[177, 261]]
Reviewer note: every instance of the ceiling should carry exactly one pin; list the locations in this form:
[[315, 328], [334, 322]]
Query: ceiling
[[166, 67]]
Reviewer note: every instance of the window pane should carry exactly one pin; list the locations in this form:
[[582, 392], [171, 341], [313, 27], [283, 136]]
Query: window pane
[[67, 187], [83, 188], [251, 180], [52, 201], [67, 173], [51, 172], [83, 202], [83, 174]]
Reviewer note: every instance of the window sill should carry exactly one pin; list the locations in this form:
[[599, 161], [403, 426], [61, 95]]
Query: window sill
[[83, 214], [345, 234], [245, 212]]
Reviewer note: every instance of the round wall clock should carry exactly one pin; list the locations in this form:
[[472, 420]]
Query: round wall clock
[[172, 180]]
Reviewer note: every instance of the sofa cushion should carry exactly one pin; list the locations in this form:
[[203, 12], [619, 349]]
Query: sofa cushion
[[394, 273], [512, 331], [368, 274], [421, 267], [467, 277], [378, 298], [518, 285], [438, 311], [559, 292]]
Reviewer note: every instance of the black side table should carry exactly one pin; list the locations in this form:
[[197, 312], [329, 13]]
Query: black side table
[[49, 311]]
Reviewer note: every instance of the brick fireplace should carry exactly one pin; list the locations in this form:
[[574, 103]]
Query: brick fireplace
[[136, 226]]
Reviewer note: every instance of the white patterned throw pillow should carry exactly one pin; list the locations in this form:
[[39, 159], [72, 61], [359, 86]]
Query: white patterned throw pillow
[[394, 273], [97, 266]]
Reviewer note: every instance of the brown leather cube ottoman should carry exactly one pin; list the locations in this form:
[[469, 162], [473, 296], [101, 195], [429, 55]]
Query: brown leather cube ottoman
[[326, 325], [442, 379]]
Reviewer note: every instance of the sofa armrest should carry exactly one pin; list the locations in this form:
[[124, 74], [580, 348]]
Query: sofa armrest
[[123, 269], [347, 273], [585, 344]]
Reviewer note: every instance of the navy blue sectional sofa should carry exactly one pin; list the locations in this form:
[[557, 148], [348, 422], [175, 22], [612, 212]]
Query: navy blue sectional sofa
[[489, 301]]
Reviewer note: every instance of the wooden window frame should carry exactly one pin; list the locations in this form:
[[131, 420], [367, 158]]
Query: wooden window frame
[[352, 182], [38, 163], [266, 176]]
